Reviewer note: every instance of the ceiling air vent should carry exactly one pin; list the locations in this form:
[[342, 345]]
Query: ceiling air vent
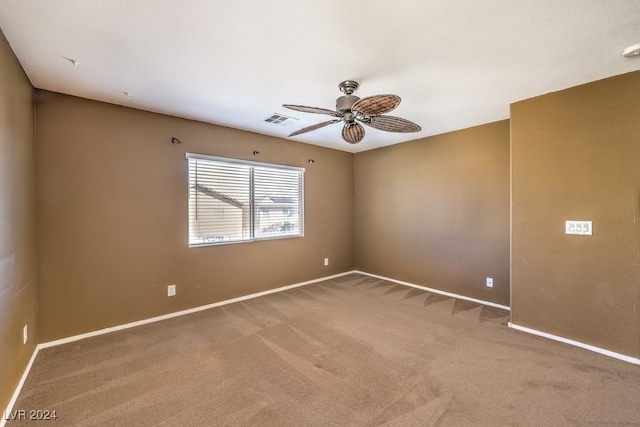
[[279, 119]]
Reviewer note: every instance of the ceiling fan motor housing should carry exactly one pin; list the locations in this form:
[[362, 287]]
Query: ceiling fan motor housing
[[344, 103]]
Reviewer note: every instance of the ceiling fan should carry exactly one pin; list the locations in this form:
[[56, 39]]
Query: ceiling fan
[[352, 111]]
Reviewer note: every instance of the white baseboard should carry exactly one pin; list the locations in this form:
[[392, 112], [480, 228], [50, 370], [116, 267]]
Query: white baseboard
[[16, 393], [244, 298], [576, 344], [436, 291], [183, 312]]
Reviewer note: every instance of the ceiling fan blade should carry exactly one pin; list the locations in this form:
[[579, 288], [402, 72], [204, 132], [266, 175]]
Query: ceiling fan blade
[[314, 110], [376, 105], [392, 124], [353, 133], [314, 127]]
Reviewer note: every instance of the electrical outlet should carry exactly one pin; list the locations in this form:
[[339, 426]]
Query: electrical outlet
[[171, 290], [326, 262], [489, 282], [25, 334]]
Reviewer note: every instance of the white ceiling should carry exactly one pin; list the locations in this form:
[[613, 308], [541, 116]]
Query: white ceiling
[[454, 63]]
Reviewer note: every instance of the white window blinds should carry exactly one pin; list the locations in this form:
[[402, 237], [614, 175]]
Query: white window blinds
[[234, 201]]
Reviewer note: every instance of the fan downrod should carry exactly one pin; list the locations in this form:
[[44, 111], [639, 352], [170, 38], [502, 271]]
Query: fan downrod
[[348, 87]]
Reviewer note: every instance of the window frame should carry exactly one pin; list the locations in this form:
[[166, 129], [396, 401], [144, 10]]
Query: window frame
[[253, 238]]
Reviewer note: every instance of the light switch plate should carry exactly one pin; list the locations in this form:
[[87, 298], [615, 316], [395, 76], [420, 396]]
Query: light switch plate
[[583, 228]]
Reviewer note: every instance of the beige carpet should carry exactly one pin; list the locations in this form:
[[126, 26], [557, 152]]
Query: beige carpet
[[353, 351]]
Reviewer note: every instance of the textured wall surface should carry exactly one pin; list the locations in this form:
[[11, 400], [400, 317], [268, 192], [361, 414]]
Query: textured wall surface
[[435, 211], [18, 272], [575, 156], [112, 216]]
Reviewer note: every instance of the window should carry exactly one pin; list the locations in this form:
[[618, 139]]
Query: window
[[239, 201]]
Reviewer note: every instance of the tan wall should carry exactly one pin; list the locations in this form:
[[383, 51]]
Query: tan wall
[[576, 156], [435, 211], [18, 273], [112, 216]]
